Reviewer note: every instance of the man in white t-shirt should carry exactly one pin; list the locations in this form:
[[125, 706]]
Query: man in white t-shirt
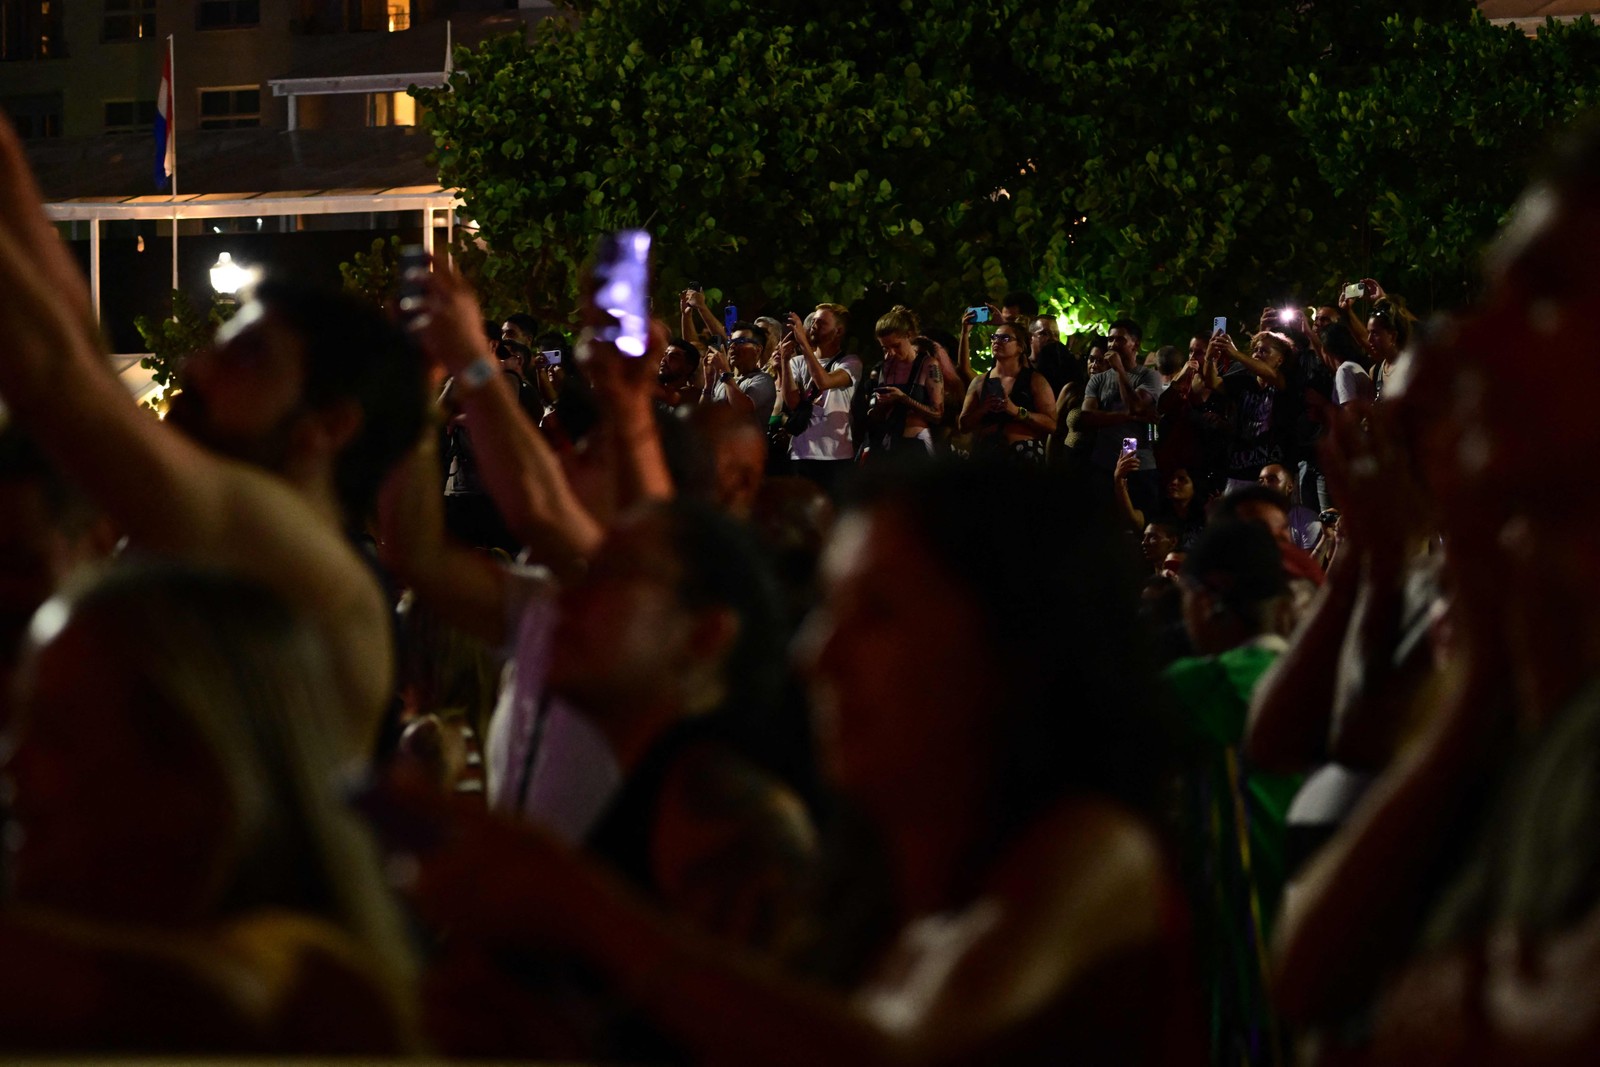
[[820, 374]]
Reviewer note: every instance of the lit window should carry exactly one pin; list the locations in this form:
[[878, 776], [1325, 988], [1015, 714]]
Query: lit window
[[129, 20], [391, 109], [31, 29]]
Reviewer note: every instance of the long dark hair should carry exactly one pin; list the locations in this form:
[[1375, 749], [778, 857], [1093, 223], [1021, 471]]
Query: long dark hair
[[1080, 712], [1084, 712]]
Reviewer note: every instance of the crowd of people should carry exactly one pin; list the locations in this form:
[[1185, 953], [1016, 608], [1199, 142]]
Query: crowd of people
[[427, 685]]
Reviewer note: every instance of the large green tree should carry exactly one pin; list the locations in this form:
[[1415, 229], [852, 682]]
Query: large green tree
[[1113, 155], [1425, 149], [776, 150]]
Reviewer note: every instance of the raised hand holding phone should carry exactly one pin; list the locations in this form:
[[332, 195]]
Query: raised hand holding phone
[[797, 329]]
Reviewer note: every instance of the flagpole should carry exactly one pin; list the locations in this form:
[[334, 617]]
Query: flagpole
[[172, 140]]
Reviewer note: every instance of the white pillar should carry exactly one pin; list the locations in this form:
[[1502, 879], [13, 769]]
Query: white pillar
[[94, 266], [427, 230], [294, 113], [449, 231]]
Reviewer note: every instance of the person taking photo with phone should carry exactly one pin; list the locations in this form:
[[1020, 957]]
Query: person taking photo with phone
[[820, 384], [908, 390], [1010, 410], [734, 376], [1119, 404]]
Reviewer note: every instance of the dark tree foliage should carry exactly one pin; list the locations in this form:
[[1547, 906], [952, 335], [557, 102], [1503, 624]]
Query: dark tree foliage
[[1137, 156]]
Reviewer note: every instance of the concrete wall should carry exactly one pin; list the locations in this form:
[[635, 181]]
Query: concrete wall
[[232, 57], [92, 73]]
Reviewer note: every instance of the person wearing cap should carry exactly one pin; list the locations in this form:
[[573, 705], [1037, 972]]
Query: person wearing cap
[[1236, 609]]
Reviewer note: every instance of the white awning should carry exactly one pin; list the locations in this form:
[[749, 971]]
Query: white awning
[[254, 205], [356, 83], [428, 199]]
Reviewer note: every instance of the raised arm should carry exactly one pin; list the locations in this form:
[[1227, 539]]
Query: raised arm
[[964, 349], [1361, 901], [465, 587], [169, 494], [1131, 515], [624, 388], [1210, 371], [837, 378], [544, 379], [1347, 309], [688, 320], [1177, 392], [696, 299], [519, 469], [1273, 376]]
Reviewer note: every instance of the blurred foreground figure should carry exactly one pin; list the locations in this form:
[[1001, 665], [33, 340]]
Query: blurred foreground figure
[[1457, 917], [290, 422], [1026, 912], [183, 876], [1236, 609], [47, 530], [640, 713]]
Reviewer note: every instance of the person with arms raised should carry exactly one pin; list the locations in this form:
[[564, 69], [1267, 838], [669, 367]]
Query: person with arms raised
[[289, 422]]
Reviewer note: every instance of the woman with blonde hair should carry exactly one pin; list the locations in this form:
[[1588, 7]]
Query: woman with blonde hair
[[907, 390], [183, 874]]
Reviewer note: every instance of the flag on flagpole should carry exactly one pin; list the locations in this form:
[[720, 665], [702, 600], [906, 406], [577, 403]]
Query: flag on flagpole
[[166, 143]]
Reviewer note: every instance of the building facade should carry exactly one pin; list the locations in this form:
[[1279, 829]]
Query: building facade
[[273, 98]]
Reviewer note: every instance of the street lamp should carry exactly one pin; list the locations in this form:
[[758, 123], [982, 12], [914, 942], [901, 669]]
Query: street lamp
[[228, 277]]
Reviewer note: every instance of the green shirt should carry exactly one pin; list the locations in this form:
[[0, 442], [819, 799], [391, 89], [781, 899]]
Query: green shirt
[[1233, 842]]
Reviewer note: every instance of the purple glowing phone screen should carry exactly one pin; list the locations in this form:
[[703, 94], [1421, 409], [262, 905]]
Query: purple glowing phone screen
[[622, 274]]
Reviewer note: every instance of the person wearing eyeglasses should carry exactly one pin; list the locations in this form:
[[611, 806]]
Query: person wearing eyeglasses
[[1010, 409], [734, 376]]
